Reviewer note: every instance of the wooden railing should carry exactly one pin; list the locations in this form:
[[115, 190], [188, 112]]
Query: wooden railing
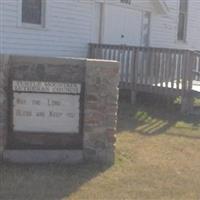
[[196, 66], [153, 67]]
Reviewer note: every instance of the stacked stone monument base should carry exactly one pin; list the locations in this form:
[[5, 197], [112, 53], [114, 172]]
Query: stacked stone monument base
[[43, 156], [98, 110]]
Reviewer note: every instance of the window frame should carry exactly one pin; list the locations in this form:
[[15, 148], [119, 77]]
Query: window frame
[[126, 2], [184, 13], [30, 25]]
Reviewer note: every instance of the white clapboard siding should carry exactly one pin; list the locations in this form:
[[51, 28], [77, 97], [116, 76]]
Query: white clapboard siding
[[71, 24], [164, 26], [193, 34], [67, 29]]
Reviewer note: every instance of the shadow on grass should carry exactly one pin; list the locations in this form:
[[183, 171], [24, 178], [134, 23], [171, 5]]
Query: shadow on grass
[[44, 182], [153, 116]]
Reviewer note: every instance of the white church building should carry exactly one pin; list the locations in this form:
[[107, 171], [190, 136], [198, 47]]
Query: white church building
[[66, 27]]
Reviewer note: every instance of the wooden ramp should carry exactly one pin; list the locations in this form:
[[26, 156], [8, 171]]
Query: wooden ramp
[[169, 72]]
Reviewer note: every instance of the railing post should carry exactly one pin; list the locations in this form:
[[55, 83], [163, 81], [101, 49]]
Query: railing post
[[133, 75], [90, 51], [187, 97]]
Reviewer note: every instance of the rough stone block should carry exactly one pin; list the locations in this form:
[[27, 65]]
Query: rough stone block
[[43, 156], [101, 106]]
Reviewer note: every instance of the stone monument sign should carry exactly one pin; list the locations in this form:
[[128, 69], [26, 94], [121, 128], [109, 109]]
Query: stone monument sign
[[57, 109]]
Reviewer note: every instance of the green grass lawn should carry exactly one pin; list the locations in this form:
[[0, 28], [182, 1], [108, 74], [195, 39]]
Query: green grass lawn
[[157, 157]]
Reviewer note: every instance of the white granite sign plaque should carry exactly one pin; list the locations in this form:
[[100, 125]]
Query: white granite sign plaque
[[41, 112]]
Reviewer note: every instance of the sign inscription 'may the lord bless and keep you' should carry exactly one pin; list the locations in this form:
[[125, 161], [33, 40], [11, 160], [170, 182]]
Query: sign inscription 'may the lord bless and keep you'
[[46, 107]]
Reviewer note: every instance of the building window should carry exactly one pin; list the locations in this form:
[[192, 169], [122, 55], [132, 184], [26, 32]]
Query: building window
[[126, 1], [182, 23], [33, 12]]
